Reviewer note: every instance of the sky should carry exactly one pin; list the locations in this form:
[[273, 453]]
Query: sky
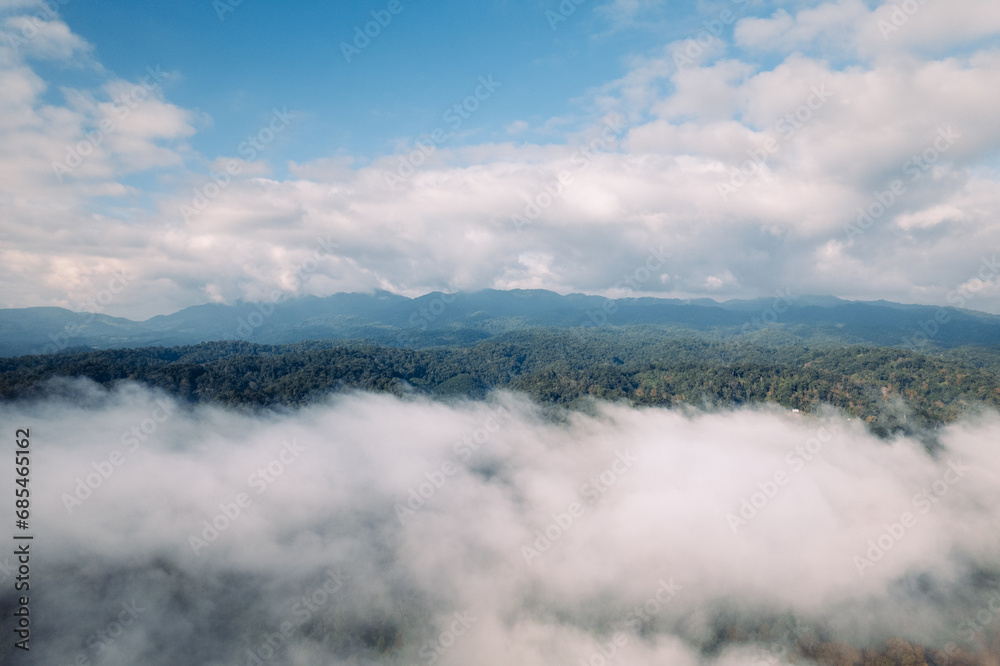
[[199, 152]]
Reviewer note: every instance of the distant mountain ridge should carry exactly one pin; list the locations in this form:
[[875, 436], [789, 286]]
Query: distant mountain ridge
[[466, 318]]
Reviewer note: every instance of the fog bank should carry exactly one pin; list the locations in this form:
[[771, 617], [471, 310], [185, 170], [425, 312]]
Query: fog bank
[[378, 530]]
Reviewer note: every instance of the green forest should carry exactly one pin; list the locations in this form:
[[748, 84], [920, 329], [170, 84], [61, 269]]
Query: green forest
[[890, 389]]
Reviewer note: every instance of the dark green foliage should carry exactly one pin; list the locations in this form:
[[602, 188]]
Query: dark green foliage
[[890, 389]]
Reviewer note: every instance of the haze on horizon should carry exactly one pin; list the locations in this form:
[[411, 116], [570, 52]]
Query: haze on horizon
[[963, 300]]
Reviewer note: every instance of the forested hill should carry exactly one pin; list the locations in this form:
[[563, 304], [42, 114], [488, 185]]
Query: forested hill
[[447, 319], [890, 389]]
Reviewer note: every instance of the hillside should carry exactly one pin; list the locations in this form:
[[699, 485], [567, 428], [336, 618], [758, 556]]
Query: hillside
[[891, 389], [465, 319]]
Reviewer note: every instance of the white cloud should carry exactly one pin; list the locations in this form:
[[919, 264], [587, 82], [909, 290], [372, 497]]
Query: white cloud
[[851, 28], [760, 33], [706, 93], [622, 14], [516, 127], [933, 25], [324, 169], [838, 135], [35, 37], [830, 24], [659, 492]]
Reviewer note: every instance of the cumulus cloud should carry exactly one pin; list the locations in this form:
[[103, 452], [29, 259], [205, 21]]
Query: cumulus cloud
[[848, 28], [373, 529], [750, 160]]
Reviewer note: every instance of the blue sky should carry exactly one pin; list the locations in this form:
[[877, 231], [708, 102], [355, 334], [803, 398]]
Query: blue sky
[[758, 142], [237, 65]]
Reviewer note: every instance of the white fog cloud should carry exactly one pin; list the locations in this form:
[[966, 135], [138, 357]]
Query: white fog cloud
[[634, 503]]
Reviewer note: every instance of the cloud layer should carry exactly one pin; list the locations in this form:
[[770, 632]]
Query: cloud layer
[[355, 531], [752, 156]]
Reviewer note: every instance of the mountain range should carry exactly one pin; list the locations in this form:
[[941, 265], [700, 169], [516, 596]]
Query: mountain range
[[466, 318]]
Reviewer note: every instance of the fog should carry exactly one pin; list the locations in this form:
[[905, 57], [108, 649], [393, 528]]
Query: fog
[[374, 529]]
